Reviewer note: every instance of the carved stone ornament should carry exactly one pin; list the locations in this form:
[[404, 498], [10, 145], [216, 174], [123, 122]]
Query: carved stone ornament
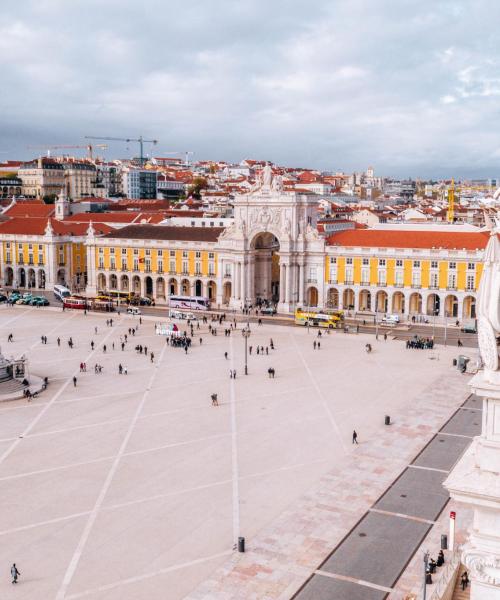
[[487, 344], [483, 567]]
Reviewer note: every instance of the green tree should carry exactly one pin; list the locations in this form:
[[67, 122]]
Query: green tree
[[199, 183]]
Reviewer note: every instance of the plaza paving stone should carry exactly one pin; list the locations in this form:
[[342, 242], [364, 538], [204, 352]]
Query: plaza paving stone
[[443, 452], [136, 487], [464, 422], [321, 587]]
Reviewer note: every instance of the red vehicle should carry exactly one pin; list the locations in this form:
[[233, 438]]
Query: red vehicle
[[78, 302]]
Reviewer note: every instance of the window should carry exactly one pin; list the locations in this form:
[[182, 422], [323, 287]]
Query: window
[[471, 266], [171, 267], [101, 262], [197, 268], [227, 269], [211, 255], [471, 282], [382, 277], [348, 275], [399, 278], [160, 266], [30, 246], [381, 262], [312, 274], [416, 264], [148, 252], [399, 263], [452, 281], [434, 264], [8, 244], [101, 250], [452, 265], [147, 265], [184, 254], [198, 254], [366, 261], [333, 260], [348, 261], [124, 251], [415, 279], [185, 266], [211, 268], [111, 250], [434, 282], [136, 264], [136, 251], [365, 276], [112, 263], [124, 264], [172, 253], [160, 252]]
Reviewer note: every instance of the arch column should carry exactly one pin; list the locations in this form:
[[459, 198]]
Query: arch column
[[301, 284], [289, 279], [282, 282]]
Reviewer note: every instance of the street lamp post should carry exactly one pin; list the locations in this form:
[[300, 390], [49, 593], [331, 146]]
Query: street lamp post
[[246, 334], [426, 563]]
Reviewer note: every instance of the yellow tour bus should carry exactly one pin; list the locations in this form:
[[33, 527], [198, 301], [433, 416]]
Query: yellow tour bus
[[327, 320]]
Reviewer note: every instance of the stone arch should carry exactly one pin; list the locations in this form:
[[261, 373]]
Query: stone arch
[[469, 308], [172, 286], [265, 248], [31, 278], [348, 299], [312, 296], [41, 279], [198, 288], [8, 276], [113, 281], [433, 304], [185, 289], [365, 300], [136, 285], [451, 306], [160, 288], [21, 277], [212, 290], [332, 298], [148, 286], [415, 303], [398, 303], [101, 282], [382, 301], [124, 283], [61, 277]]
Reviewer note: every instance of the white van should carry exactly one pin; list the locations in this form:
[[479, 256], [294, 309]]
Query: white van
[[133, 310], [61, 292], [390, 319]]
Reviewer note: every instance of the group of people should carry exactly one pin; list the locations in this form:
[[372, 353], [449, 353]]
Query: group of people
[[432, 565], [420, 343]]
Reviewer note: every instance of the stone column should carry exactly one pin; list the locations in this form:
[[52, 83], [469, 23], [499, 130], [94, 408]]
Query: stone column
[[243, 282], [289, 277], [301, 284], [282, 282], [475, 482]]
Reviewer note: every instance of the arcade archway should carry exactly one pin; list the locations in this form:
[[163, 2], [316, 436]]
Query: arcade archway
[[265, 248]]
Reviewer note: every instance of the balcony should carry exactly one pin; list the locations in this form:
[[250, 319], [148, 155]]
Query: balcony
[[433, 287], [452, 288], [333, 281], [185, 273], [40, 263], [348, 282], [172, 272], [61, 264], [227, 276], [312, 281], [8, 261], [148, 270], [470, 289], [416, 286], [160, 271], [399, 284], [382, 283], [20, 261]]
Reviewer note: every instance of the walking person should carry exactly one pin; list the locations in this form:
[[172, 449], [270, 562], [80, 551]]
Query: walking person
[[314, 344], [58, 341], [215, 401], [464, 580], [74, 381], [14, 572], [354, 437]]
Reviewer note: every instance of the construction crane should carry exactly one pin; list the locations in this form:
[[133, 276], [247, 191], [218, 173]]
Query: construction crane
[[450, 214], [141, 141], [89, 148]]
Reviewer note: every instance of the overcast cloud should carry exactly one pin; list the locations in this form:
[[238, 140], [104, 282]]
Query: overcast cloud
[[410, 86]]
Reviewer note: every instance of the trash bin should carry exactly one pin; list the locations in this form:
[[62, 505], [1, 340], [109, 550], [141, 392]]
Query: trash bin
[[241, 544], [454, 362], [387, 420], [444, 542], [428, 579]]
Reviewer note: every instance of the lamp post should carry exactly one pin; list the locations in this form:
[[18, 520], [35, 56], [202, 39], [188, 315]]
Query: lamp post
[[426, 562], [246, 334]]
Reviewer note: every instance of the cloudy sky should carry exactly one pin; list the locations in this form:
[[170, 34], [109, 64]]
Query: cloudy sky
[[409, 86]]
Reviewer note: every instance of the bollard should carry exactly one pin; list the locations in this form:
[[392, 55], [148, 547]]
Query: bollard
[[387, 420], [454, 362], [241, 544], [444, 542]]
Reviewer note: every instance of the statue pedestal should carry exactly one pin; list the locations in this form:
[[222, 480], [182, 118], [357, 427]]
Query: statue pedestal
[[475, 480]]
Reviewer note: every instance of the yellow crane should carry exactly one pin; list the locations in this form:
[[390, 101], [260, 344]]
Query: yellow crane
[[450, 214]]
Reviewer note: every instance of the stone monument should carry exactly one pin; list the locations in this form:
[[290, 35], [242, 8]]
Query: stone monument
[[475, 479]]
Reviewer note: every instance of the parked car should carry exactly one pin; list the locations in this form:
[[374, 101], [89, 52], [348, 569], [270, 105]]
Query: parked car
[[133, 310], [268, 310], [469, 329], [177, 314], [390, 319], [39, 301], [3, 298]]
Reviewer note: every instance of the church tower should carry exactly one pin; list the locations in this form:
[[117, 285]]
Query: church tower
[[63, 206]]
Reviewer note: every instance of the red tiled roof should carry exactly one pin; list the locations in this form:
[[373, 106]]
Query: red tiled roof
[[37, 226], [30, 209], [449, 240]]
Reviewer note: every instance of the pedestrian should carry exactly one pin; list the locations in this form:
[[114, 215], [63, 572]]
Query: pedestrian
[[123, 346], [260, 321], [81, 367], [314, 344], [14, 572], [125, 371], [234, 374], [104, 348], [230, 373], [92, 344], [140, 320], [10, 338], [146, 350], [95, 330], [201, 341], [58, 341], [250, 350], [354, 437], [464, 580], [319, 345], [152, 356], [215, 402], [113, 345], [120, 369], [74, 381], [267, 350], [459, 343], [225, 355]]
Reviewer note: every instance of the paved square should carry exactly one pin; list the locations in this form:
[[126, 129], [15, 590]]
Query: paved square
[[442, 452], [134, 486], [322, 587], [465, 422]]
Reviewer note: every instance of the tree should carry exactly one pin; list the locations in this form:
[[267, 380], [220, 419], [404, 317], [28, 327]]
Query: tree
[[199, 183]]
